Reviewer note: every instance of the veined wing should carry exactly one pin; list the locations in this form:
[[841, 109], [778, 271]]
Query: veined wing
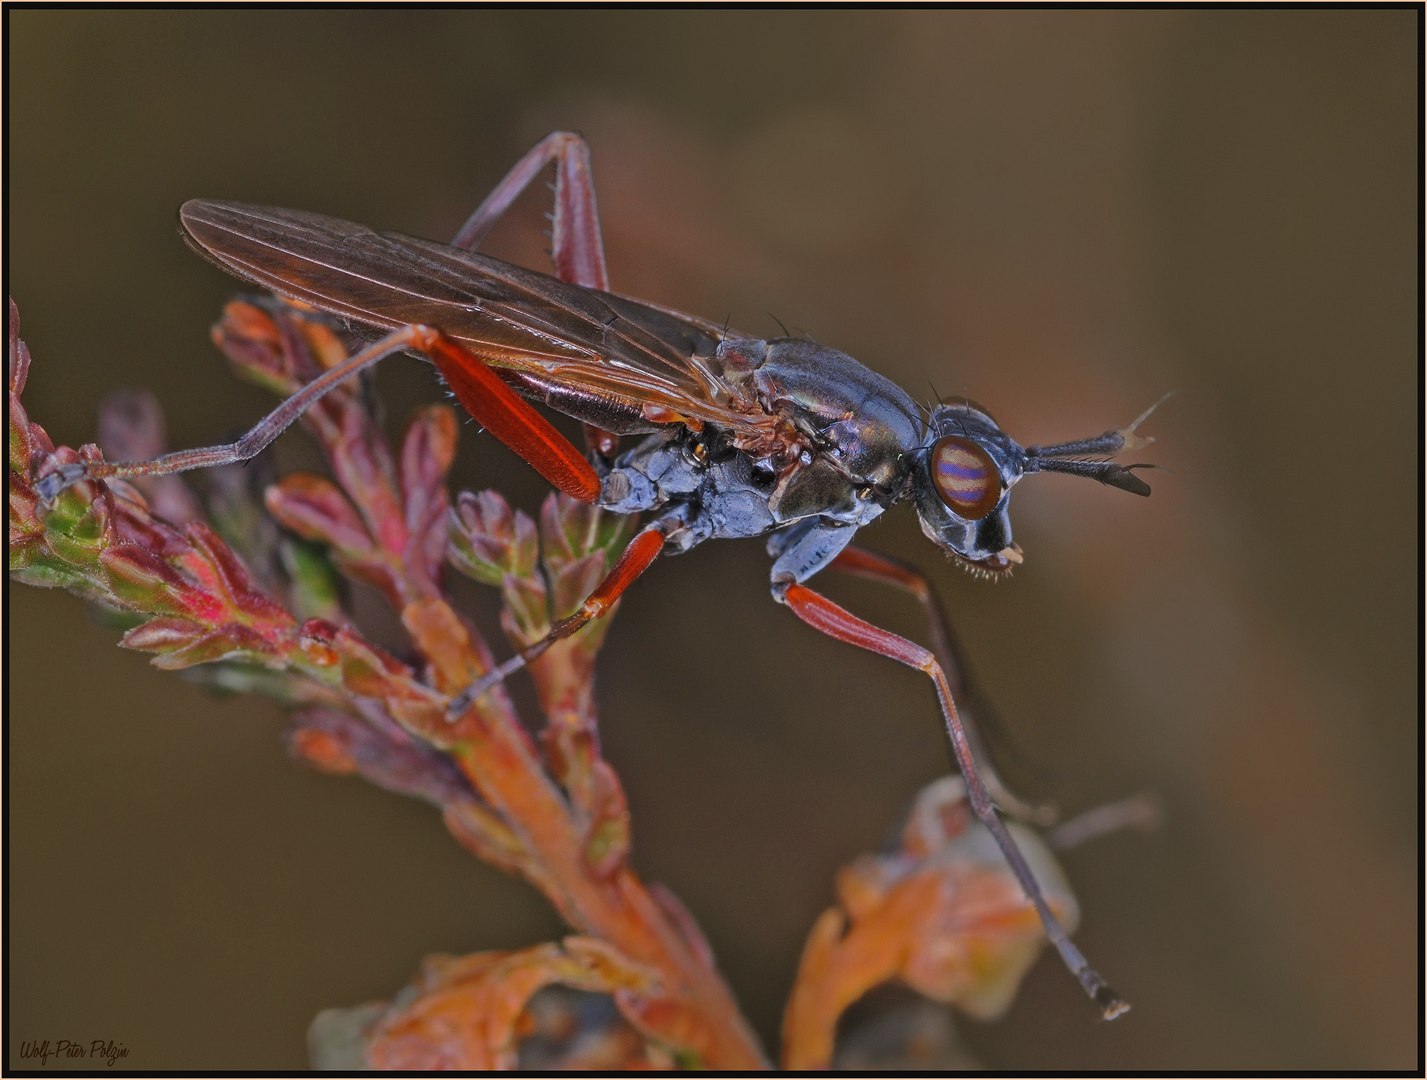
[[622, 350]]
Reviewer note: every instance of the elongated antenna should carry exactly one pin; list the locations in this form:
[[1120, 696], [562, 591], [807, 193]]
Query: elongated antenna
[[1112, 442]]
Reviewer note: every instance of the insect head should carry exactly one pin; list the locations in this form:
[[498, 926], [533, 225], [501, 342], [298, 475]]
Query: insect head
[[962, 480]]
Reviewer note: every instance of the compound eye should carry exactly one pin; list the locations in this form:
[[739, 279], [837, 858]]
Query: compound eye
[[965, 477]]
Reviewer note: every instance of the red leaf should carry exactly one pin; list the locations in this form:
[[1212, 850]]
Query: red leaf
[[361, 461], [233, 578], [144, 582], [489, 541], [163, 635], [19, 358], [322, 750], [232, 639], [466, 1011], [316, 508], [250, 339], [393, 760], [426, 455], [684, 921], [133, 524]]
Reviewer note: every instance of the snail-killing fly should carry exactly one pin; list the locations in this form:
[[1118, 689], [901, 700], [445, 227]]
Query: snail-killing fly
[[737, 436]]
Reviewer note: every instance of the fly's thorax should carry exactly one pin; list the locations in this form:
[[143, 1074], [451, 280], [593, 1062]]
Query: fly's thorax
[[962, 482], [866, 424]]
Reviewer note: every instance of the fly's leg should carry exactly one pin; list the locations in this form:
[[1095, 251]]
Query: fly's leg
[[577, 250], [1142, 812], [485, 396], [860, 562], [576, 246], [634, 560], [822, 614]]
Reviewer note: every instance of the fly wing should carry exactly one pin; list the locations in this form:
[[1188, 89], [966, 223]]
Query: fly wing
[[627, 353]]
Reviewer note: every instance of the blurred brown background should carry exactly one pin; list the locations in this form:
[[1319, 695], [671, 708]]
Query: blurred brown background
[[1060, 214]]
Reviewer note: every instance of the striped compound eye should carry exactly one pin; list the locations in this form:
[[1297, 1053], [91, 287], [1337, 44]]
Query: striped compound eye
[[965, 477]]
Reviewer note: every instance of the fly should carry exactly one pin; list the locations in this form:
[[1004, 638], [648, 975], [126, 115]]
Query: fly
[[739, 436]]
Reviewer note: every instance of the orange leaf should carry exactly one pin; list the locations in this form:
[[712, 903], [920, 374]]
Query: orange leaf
[[945, 915], [466, 1012]]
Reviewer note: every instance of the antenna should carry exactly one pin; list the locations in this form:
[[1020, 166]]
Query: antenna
[[1110, 473], [1112, 442]]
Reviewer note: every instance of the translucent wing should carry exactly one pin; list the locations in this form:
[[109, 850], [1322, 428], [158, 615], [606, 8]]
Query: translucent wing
[[636, 358]]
